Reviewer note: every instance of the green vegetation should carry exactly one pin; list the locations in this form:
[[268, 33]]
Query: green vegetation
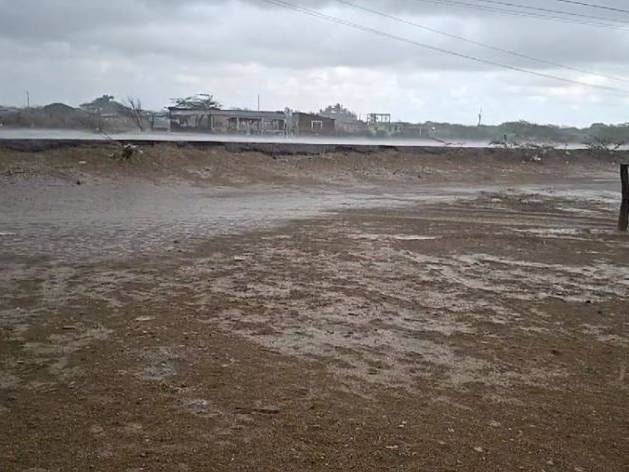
[[521, 132]]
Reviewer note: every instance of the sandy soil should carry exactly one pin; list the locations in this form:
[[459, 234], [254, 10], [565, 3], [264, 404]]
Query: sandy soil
[[196, 309]]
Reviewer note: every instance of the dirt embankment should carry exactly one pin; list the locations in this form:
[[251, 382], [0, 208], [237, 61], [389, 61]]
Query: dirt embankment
[[236, 164]]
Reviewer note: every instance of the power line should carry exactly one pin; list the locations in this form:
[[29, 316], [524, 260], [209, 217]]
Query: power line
[[478, 43], [350, 24], [519, 13], [525, 14], [591, 5], [550, 10]]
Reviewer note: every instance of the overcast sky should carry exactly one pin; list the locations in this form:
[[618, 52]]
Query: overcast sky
[[72, 51]]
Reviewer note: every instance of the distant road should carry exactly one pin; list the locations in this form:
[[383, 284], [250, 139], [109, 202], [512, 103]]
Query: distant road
[[7, 134], [45, 134]]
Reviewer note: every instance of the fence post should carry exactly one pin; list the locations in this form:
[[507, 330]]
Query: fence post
[[623, 219]]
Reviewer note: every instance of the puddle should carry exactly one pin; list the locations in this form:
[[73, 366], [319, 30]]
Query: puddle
[[414, 238], [398, 237], [142, 218]]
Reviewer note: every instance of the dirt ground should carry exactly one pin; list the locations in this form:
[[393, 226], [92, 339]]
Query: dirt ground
[[195, 309]]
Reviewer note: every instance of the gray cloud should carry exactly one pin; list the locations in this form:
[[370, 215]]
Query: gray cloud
[[157, 48]]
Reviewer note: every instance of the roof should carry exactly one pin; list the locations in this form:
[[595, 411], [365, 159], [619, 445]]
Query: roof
[[59, 108], [245, 114], [314, 115], [102, 106]]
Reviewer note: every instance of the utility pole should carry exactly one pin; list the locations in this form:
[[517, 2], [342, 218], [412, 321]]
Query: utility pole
[[258, 102], [623, 219], [28, 99]]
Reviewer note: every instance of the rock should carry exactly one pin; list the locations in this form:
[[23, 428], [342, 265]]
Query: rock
[[245, 419], [97, 429], [265, 410], [269, 410]]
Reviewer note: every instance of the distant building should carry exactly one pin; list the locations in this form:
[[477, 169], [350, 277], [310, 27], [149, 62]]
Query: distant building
[[107, 113], [228, 121], [345, 121], [7, 115], [379, 123], [55, 115], [105, 107], [60, 115], [410, 130], [352, 127], [312, 124], [160, 121]]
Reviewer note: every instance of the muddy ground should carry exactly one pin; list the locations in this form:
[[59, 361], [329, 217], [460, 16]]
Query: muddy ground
[[196, 309]]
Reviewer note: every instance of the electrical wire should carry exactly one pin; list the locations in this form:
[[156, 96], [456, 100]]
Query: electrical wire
[[550, 10], [367, 29], [591, 5], [524, 14], [478, 43]]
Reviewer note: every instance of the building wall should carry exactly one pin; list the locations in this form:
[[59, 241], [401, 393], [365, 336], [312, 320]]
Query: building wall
[[351, 127], [307, 123], [226, 123], [189, 120], [160, 122], [229, 121]]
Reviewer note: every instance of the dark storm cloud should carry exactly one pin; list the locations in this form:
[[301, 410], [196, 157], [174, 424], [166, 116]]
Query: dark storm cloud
[[71, 50], [219, 30]]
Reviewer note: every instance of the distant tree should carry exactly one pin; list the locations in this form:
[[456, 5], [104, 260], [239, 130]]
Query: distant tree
[[136, 111], [598, 144], [200, 101], [99, 102], [339, 112]]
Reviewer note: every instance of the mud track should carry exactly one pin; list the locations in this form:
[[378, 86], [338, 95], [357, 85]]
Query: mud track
[[195, 309]]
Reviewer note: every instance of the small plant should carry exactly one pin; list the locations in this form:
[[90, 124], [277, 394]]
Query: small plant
[[126, 152], [597, 144]]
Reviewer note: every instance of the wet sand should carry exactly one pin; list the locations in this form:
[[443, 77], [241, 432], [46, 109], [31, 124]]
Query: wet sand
[[335, 312]]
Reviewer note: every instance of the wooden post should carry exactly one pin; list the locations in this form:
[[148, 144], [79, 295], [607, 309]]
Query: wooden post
[[623, 219]]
